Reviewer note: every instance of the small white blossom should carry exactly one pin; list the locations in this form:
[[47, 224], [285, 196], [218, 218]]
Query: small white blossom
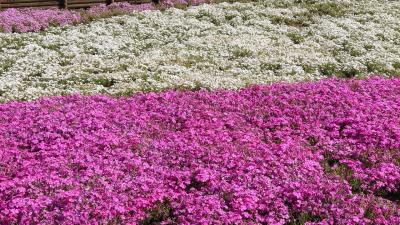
[[209, 46]]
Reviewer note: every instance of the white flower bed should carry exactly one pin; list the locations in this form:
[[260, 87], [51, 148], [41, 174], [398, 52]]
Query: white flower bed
[[210, 46]]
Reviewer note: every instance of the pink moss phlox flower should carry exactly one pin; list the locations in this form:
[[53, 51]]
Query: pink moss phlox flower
[[30, 20], [325, 151]]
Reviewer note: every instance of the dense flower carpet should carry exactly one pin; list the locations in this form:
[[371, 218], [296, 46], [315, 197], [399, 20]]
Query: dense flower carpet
[[210, 46], [259, 112], [327, 151]]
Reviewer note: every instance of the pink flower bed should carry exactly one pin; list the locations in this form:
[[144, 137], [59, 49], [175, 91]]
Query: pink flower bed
[[324, 152], [29, 20], [33, 20]]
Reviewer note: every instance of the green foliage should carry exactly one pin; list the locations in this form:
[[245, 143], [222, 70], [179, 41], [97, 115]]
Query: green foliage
[[302, 218], [334, 167], [303, 19], [271, 66], [328, 69], [396, 65], [241, 53], [369, 213], [162, 212], [391, 196], [104, 81], [308, 68], [6, 64], [296, 37], [369, 47], [348, 73], [375, 67], [327, 8]]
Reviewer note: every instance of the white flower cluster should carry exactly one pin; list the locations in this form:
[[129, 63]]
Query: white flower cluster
[[209, 46]]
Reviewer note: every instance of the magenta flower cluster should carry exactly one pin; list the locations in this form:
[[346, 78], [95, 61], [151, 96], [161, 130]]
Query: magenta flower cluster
[[322, 153], [29, 20]]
